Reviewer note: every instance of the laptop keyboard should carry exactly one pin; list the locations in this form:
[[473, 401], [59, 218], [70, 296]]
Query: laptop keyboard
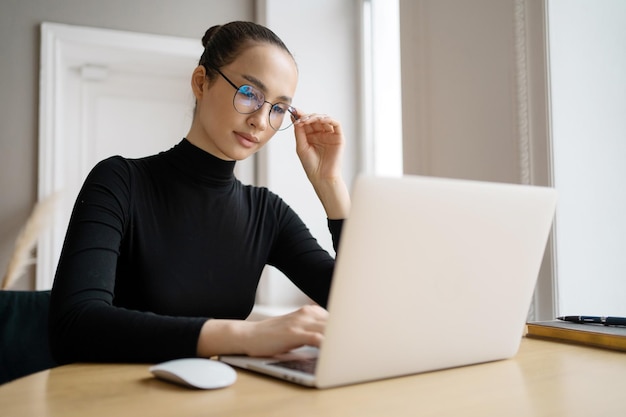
[[302, 365]]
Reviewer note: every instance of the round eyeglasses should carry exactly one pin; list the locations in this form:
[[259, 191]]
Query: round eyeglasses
[[249, 99]]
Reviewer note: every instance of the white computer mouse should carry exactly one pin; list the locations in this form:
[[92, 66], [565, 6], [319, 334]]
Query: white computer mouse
[[196, 373]]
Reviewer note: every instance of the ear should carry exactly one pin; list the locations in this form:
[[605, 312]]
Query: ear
[[198, 81]]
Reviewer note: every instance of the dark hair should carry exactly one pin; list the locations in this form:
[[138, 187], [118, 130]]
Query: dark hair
[[223, 43]]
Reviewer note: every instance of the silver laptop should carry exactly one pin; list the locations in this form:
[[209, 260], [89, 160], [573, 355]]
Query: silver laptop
[[431, 273]]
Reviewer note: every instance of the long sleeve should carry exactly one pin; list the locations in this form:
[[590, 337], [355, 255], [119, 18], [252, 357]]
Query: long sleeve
[[85, 322]]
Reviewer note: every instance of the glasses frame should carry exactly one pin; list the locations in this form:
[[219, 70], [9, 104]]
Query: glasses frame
[[292, 110]]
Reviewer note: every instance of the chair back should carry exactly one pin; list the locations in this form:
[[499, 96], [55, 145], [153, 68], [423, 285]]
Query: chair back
[[24, 347]]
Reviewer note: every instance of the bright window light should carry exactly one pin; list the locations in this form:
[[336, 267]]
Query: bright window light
[[382, 109]]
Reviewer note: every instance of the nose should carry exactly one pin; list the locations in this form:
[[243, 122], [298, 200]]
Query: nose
[[260, 118]]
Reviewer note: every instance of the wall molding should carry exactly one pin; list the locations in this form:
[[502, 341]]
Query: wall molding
[[521, 80], [534, 132]]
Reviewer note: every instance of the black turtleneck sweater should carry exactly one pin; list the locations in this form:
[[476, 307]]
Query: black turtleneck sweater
[[156, 246]]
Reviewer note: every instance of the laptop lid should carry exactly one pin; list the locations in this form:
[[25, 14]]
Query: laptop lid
[[432, 273]]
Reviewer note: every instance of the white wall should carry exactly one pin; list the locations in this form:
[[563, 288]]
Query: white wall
[[588, 91]]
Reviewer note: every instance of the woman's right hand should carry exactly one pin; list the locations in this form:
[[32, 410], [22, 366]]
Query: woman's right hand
[[268, 337], [281, 334]]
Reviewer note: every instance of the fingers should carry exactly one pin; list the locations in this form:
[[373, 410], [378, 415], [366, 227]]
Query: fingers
[[310, 320], [318, 123], [309, 326]]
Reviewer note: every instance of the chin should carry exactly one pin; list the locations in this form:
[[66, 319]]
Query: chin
[[240, 155]]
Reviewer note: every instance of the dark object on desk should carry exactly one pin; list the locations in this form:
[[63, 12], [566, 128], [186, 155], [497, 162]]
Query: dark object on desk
[[607, 321], [24, 334], [597, 335]]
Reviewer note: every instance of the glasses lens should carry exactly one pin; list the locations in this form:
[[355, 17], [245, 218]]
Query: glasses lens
[[281, 116], [248, 99]]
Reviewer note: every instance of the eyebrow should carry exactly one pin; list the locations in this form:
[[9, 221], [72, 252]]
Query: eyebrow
[[259, 84]]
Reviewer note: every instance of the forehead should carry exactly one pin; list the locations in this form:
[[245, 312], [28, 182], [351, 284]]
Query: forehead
[[269, 68]]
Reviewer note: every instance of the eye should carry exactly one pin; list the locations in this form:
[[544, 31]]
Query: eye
[[279, 110], [251, 94]]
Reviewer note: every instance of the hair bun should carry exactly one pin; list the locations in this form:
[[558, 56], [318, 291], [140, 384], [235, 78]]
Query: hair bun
[[209, 34], [223, 43]]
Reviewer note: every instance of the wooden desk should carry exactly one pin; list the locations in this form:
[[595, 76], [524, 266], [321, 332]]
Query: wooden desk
[[544, 379]]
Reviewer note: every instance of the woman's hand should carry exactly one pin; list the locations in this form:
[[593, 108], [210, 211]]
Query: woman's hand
[[266, 337], [319, 145], [283, 333]]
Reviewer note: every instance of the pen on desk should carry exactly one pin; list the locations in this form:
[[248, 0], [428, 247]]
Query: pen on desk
[[607, 321]]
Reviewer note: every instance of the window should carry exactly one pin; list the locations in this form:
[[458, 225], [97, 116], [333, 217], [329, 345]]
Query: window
[[381, 151]]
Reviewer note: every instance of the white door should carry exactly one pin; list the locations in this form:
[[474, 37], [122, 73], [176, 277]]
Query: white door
[[133, 115], [106, 93]]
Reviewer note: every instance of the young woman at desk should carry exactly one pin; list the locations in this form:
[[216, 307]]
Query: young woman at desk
[[163, 254]]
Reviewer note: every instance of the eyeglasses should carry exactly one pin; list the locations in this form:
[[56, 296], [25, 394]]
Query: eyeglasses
[[249, 99]]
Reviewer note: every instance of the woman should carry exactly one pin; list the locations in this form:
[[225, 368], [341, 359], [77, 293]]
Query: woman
[[163, 254]]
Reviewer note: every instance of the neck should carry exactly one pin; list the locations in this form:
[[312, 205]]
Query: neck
[[200, 140]]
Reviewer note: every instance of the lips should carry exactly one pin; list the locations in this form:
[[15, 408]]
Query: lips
[[246, 140]]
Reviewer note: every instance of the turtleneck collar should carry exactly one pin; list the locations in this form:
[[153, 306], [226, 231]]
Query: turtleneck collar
[[201, 165]]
